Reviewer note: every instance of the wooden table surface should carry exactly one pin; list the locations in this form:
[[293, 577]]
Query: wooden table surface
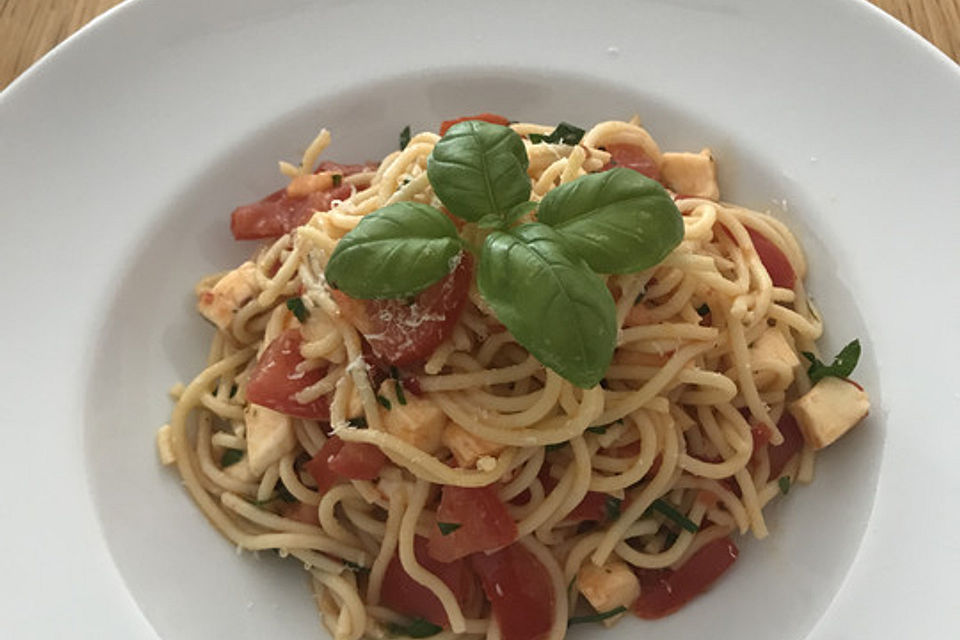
[[30, 28]]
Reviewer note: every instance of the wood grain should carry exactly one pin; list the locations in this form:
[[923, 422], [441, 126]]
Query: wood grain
[[30, 28]]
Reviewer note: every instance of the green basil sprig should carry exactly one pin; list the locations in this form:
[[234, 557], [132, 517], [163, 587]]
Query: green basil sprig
[[540, 278], [564, 132], [479, 170], [550, 300], [841, 367], [619, 221], [395, 252]]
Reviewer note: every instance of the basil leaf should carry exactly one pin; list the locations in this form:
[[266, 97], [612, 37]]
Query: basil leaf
[[384, 402], [298, 308], [446, 528], [495, 221], [230, 457], [395, 252], [599, 617], [356, 568], [667, 509], [419, 628], [611, 508], [841, 367], [550, 301], [564, 132], [619, 221], [784, 483], [404, 137], [479, 169]]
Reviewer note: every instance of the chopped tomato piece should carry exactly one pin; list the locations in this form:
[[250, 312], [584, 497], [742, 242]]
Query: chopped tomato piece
[[337, 459], [301, 512], [406, 596], [632, 157], [792, 443], [275, 380], [358, 461], [520, 592], [492, 118], [664, 591], [774, 261], [484, 523], [593, 508], [279, 213], [400, 332]]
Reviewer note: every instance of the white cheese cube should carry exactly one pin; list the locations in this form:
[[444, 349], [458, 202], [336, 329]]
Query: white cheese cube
[[466, 447], [165, 445], [232, 291], [270, 436], [419, 422], [691, 174], [773, 345], [829, 410], [608, 587]]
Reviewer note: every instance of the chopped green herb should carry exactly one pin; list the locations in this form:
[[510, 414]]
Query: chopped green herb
[[394, 372], [297, 307], [841, 367], [564, 132], [784, 483], [670, 539], [404, 137], [611, 507], [337, 179], [384, 401], [402, 399], [446, 528], [667, 509], [597, 430], [596, 617], [356, 568], [359, 422], [703, 309], [285, 495], [419, 628], [230, 457], [555, 446]]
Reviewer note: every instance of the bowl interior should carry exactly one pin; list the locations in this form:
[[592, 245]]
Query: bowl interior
[[191, 583]]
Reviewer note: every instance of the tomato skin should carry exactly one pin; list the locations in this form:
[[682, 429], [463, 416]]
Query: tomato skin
[[406, 596], [337, 459], [400, 333], [593, 508], [774, 261], [664, 591], [274, 380], [492, 118], [792, 443], [484, 523], [633, 157], [279, 213], [358, 461], [519, 590]]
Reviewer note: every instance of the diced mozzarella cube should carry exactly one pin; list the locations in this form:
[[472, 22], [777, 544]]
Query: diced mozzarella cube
[[608, 587], [691, 174], [165, 445], [225, 298], [829, 410], [466, 447], [419, 422], [269, 436], [773, 345]]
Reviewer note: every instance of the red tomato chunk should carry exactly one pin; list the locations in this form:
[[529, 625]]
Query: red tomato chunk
[[520, 592], [492, 118], [402, 333], [275, 380], [484, 523], [664, 591], [774, 261], [279, 213], [792, 444], [337, 459], [632, 157], [406, 596]]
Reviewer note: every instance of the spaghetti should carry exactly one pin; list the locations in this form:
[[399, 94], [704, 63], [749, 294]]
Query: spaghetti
[[471, 491]]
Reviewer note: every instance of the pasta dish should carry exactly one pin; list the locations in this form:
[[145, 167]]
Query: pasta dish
[[510, 378]]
